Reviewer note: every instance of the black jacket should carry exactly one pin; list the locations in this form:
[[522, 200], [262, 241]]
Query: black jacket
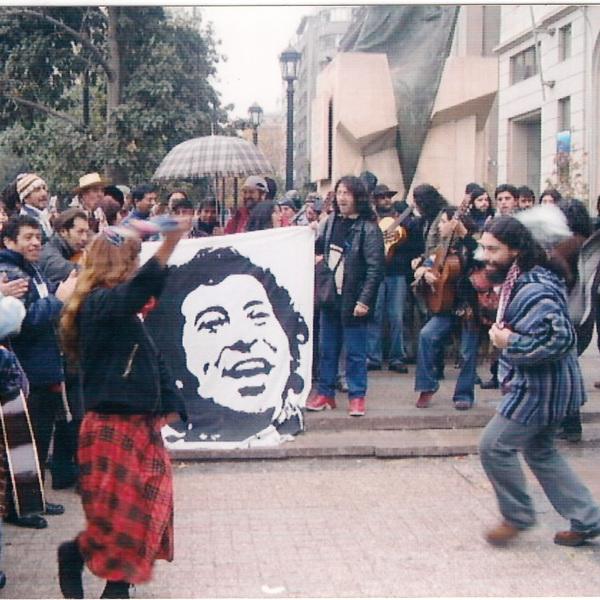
[[122, 370], [364, 264]]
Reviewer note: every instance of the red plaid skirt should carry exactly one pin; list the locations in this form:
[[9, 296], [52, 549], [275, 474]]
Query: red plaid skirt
[[127, 494]]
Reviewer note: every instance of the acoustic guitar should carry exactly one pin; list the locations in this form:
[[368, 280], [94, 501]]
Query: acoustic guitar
[[23, 463], [441, 295], [389, 225]]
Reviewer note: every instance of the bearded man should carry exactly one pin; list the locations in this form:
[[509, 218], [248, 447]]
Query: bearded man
[[541, 385]]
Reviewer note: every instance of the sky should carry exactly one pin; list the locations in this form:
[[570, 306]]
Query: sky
[[252, 39]]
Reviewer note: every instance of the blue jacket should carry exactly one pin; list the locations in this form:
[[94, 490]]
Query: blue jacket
[[36, 346], [540, 363]]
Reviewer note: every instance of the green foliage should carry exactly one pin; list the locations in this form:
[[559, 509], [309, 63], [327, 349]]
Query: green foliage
[[51, 55]]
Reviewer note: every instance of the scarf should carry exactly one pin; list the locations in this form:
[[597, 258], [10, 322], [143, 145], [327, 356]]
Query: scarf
[[506, 291]]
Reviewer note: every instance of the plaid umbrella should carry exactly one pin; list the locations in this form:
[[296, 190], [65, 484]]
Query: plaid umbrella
[[215, 155]]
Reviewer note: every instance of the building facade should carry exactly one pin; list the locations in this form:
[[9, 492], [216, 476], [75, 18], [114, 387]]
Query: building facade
[[549, 98], [356, 132], [318, 36]]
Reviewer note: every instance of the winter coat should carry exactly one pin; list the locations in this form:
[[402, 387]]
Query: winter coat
[[364, 265], [122, 370], [539, 368], [36, 346], [54, 262]]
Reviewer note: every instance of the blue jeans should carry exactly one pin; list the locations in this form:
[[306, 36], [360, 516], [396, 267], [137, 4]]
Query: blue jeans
[[431, 338], [333, 334], [391, 299], [500, 442]]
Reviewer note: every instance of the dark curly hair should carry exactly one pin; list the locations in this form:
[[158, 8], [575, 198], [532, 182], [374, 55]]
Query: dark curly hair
[[361, 196], [516, 236]]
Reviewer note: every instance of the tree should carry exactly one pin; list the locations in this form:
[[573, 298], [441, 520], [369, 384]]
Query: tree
[[92, 89]]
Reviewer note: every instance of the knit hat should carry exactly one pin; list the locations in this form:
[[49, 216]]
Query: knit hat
[[27, 183]]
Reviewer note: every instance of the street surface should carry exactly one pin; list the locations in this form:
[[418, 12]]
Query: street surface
[[332, 528]]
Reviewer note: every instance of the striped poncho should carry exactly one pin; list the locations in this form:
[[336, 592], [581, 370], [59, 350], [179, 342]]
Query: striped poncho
[[542, 382]]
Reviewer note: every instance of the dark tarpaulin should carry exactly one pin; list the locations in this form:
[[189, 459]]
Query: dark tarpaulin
[[416, 40]]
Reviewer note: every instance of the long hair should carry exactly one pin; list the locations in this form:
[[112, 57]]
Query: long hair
[[106, 266], [429, 201], [359, 192], [261, 216], [516, 236], [578, 216]]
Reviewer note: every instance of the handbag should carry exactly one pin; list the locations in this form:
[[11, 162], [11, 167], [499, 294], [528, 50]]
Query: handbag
[[325, 288]]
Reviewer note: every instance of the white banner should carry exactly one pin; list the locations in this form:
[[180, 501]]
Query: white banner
[[234, 324]]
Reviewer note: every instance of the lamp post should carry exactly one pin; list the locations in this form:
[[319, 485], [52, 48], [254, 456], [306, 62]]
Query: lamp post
[[255, 112], [289, 60]]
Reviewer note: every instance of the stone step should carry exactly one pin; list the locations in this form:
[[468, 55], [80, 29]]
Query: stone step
[[413, 419], [401, 443]]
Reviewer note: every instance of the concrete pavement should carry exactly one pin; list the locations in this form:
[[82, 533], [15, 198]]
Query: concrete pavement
[[252, 527]]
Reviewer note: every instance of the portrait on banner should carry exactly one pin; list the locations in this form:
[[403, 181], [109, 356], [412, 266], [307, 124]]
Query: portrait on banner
[[234, 325]]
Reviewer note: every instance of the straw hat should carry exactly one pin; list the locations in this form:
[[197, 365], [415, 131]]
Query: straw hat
[[90, 180]]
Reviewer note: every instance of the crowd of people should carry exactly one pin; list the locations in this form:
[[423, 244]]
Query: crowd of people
[[411, 281]]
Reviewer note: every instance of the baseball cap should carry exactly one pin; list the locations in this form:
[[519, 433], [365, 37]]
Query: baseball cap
[[254, 181]]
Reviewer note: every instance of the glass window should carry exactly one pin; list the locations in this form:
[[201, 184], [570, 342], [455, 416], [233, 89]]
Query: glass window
[[340, 15], [564, 114], [523, 65], [564, 42]]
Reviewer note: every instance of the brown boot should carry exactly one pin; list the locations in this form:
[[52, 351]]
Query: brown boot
[[575, 538], [502, 534]]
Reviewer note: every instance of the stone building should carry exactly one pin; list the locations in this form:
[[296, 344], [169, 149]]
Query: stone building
[[549, 101]]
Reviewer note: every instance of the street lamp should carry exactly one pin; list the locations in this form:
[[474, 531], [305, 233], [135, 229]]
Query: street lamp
[[255, 112], [289, 60]]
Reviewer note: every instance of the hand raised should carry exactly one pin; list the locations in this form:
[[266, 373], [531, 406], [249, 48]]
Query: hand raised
[[66, 287]]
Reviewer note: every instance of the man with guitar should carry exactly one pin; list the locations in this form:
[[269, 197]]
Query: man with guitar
[[400, 249], [443, 280], [36, 346]]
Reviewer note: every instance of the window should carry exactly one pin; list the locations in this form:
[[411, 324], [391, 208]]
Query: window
[[564, 42], [328, 41], [340, 15], [523, 65], [564, 114]]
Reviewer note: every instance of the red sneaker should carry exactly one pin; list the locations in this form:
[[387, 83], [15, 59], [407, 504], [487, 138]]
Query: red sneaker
[[424, 399], [357, 407], [320, 402]]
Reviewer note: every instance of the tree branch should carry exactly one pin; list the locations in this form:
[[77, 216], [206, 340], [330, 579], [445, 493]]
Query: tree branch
[[84, 40], [76, 124]]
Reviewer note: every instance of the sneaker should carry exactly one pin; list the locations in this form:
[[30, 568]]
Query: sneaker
[[398, 368], [492, 384], [502, 534], [28, 521], [320, 402], [54, 509], [463, 404], [575, 538], [424, 399], [357, 407]]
